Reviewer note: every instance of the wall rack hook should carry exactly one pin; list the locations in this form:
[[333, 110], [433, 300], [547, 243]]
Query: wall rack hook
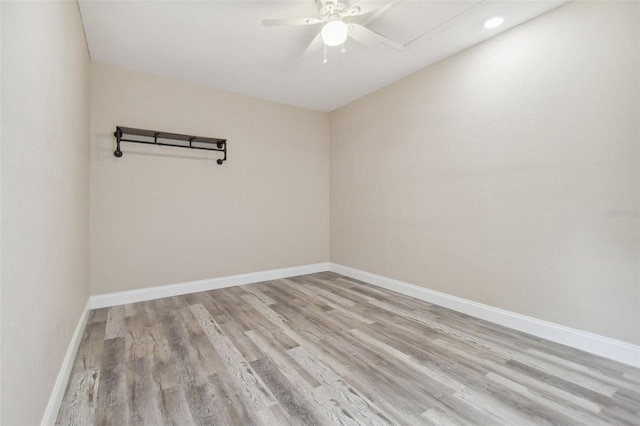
[[153, 137]]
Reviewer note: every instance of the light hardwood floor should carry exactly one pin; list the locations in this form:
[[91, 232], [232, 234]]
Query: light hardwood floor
[[324, 349]]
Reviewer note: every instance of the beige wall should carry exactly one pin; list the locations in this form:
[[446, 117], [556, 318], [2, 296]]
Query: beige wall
[[45, 198], [163, 215], [489, 175]]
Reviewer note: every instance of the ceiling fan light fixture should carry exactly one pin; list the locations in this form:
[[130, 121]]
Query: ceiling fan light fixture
[[335, 33]]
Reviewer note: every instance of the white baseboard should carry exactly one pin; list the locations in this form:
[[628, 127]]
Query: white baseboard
[[59, 388], [151, 293], [589, 342]]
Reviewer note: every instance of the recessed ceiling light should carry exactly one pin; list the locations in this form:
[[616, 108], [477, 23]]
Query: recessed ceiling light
[[494, 21]]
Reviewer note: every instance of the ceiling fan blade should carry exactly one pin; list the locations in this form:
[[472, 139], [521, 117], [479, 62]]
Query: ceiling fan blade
[[314, 46], [370, 16], [290, 22], [371, 38]]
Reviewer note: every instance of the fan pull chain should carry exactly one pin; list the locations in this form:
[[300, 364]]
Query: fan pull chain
[[343, 49], [325, 54]]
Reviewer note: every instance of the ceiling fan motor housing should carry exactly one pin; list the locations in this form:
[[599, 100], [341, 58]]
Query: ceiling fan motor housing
[[331, 7]]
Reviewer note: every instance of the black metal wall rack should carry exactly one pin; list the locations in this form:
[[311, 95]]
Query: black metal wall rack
[[154, 137]]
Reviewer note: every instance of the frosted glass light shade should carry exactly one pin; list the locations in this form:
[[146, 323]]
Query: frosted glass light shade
[[334, 33]]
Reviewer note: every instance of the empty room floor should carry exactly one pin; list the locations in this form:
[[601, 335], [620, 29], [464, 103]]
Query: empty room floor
[[326, 349]]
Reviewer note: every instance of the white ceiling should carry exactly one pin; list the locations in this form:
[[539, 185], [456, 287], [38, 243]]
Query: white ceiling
[[223, 44]]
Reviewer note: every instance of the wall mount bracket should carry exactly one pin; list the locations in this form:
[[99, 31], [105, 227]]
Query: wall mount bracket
[[153, 137]]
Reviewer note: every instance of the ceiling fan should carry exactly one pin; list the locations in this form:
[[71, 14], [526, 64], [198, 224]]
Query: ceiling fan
[[340, 21]]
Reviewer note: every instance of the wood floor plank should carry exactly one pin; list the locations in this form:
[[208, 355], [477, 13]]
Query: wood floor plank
[[255, 290], [144, 394], [251, 385], [440, 417], [112, 396], [543, 387], [297, 375], [115, 323], [284, 392], [410, 362], [206, 406], [324, 349], [240, 413], [98, 315], [352, 401], [79, 407], [112, 389], [617, 382], [174, 407], [549, 404], [187, 363], [493, 407], [89, 355], [245, 346], [309, 393], [208, 358]]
